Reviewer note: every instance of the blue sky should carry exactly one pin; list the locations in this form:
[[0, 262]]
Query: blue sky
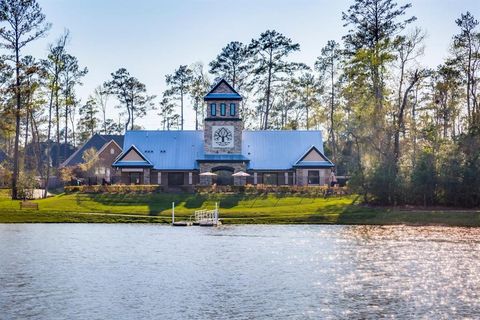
[[152, 38]]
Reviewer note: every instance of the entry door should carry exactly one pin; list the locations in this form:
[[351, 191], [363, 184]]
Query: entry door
[[175, 178], [224, 177]]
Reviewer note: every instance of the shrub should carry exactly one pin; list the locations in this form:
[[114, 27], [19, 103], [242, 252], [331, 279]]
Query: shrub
[[117, 188]]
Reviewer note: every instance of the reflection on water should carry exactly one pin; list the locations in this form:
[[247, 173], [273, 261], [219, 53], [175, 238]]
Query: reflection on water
[[238, 272]]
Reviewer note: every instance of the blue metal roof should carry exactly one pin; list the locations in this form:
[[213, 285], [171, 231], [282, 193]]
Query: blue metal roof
[[134, 164], [264, 150], [226, 96], [308, 164], [278, 150], [224, 157], [167, 150], [213, 94]]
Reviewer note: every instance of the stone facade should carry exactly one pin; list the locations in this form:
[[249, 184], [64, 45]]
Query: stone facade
[[209, 167], [302, 176], [237, 136]]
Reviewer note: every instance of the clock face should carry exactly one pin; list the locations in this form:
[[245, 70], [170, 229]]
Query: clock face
[[222, 136]]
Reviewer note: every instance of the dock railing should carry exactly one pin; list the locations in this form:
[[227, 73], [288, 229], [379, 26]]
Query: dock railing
[[206, 216]]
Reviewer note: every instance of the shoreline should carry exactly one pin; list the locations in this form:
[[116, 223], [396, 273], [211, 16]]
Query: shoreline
[[470, 218], [233, 209]]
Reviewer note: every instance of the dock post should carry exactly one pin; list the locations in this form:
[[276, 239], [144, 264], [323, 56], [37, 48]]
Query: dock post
[[173, 212]]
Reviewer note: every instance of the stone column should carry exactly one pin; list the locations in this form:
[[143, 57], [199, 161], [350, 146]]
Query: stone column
[[146, 176]]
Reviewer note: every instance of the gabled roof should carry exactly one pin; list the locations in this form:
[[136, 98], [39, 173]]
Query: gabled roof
[[167, 150], [223, 90], [122, 162], [263, 150], [97, 141], [320, 162], [278, 150]]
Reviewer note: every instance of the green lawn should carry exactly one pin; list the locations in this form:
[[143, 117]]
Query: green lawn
[[234, 208]]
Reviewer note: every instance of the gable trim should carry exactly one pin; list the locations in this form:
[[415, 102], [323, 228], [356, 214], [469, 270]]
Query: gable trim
[[123, 154], [107, 144], [218, 84], [313, 148]]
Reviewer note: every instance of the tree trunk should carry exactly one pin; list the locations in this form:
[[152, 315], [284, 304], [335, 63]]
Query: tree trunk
[[49, 133], [332, 113], [400, 117], [66, 128], [181, 108], [27, 122], [196, 114], [57, 116], [269, 83], [17, 123]]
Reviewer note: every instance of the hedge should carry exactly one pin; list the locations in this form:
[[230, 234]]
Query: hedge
[[248, 189], [114, 188]]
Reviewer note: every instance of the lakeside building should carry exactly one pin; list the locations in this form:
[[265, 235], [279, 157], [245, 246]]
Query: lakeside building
[[106, 148], [181, 158]]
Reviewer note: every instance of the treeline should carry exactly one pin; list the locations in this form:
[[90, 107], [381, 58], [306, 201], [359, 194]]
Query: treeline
[[403, 132]]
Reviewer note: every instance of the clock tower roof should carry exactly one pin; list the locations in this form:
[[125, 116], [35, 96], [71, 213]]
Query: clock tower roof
[[222, 91]]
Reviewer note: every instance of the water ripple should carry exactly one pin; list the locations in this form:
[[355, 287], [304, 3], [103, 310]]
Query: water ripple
[[76, 271]]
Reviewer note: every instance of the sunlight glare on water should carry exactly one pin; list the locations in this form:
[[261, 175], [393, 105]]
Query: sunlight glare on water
[[76, 271]]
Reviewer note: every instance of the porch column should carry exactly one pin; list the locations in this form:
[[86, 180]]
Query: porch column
[[190, 178], [255, 178], [159, 178], [146, 176], [286, 178]]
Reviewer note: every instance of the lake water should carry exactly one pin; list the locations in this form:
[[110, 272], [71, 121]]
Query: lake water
[[122, 271]]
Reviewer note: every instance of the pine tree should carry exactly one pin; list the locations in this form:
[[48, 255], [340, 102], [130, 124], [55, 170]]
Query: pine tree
[[24, 23], [269, 53]]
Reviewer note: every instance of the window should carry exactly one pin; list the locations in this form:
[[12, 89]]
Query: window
[[223, 109], [313, 177], [232, 109], [134, 177], [112, 151], [270, 178], [213, 109], [175, 178]]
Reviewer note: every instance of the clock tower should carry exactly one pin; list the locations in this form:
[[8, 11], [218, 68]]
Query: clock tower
[[223, 126], [222, 135]]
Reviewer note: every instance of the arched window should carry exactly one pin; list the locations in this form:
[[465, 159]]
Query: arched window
[[223, 109], [213, 109], [232, 109]]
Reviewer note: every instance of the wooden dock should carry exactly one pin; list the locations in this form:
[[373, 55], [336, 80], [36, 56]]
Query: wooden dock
[[182, 223], [202, 218]]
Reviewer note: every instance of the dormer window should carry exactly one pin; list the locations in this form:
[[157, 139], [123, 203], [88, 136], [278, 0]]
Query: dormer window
[[232, 109], [223, 109], [213, 109]]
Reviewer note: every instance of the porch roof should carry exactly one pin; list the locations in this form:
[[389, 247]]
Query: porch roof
[[224, 158]]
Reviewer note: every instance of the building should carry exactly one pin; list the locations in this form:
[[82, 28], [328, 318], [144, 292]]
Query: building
[[106, 149], [178, 158]]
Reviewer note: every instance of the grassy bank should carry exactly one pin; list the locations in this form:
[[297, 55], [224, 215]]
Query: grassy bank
[[234, 208]]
